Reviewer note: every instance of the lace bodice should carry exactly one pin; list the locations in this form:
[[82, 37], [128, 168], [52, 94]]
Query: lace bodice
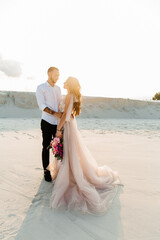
[[70, 107]]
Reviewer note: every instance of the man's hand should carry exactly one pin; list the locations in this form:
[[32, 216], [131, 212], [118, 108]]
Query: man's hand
[[58, 114]]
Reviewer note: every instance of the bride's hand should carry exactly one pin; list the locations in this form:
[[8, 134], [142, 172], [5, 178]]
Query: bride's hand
[[59, 134]]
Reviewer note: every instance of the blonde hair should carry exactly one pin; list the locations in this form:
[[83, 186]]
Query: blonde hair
[[74, 88], [52, 69]]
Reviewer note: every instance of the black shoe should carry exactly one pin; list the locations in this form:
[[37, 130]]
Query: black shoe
[[47, 176]]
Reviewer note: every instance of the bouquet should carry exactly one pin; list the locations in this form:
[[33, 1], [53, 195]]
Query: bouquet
[[57, 147]]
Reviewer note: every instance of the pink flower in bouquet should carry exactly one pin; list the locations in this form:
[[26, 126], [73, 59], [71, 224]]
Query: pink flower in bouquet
[[57, 147], [56, 140]]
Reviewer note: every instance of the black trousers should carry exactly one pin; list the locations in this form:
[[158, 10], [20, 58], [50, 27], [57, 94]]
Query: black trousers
[[48, 132]]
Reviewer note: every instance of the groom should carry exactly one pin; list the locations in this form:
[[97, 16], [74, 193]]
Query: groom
[[48, 97]]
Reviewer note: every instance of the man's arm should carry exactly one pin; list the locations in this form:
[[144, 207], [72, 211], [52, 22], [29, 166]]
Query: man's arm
[[42, 105], [50, 111]]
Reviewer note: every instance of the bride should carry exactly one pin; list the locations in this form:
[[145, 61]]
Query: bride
[[80, 183]]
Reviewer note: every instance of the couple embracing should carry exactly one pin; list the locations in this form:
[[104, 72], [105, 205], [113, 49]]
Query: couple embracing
[[80, 184]]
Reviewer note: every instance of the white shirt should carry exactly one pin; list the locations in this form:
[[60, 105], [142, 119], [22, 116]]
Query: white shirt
[[48, 96]]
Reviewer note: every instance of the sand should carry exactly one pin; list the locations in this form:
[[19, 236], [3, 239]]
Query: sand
[[24, 202]]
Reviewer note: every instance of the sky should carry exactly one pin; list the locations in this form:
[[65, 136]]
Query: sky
[[111, 46]]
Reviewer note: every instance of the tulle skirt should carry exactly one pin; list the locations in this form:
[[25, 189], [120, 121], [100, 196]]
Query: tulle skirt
[[80, 183]]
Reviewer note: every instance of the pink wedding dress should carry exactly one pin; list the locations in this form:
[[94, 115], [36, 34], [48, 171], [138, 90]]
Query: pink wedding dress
[[81, 184]]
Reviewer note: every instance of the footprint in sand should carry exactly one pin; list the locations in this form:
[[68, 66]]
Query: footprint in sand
[[29, 135], [38, 168], [11, 215], [2, 135], [16, 138]]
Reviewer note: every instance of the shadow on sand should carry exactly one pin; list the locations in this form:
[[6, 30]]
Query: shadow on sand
[[41, 222]]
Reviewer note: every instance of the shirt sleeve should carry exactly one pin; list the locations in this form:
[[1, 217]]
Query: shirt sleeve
[[40, 99]]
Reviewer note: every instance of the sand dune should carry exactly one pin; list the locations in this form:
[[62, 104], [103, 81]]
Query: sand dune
[[23, 104]]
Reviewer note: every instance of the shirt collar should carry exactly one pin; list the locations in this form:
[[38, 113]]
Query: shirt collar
[[48, 84]]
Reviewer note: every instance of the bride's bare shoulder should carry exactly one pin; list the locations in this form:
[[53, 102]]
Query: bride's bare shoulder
[[67, 100], [68, 97]]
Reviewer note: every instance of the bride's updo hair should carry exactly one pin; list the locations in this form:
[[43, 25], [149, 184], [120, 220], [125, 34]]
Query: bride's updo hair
[[74, 88]]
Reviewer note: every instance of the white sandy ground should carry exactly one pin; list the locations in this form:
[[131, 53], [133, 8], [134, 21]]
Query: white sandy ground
[[24, 195]]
